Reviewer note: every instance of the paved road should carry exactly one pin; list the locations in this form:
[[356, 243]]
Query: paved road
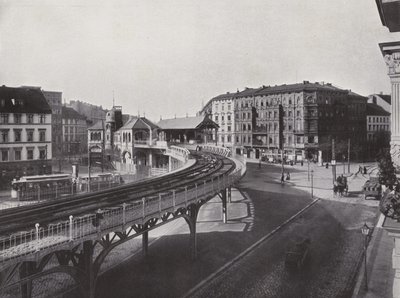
[[332, 225]]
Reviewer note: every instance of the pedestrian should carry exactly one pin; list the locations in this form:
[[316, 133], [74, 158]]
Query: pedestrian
[[326, 166], [365, 170], [282, 178], [301, 162], [287, 176], [259, 164]]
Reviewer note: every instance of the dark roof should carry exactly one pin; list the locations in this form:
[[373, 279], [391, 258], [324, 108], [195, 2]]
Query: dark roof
[[375, 110], [386, 98], [23, 100], [305, 86], [186, 123], [138, 123], [70, 113], [97, 126]]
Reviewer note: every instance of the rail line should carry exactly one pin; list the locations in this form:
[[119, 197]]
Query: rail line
[[207, 166]]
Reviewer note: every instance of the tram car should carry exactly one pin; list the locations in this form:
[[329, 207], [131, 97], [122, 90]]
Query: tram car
[[41, 187], [98, 181]]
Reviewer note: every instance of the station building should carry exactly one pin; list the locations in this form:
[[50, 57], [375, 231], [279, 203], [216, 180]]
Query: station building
[[189, 130], [25, 133], [128, 141]]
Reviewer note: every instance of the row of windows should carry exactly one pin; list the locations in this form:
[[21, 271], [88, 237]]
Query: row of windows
[[222, 118], [17, 119], [378, 119], [29, 135], [223, 107], [15, 154], [378, 127]]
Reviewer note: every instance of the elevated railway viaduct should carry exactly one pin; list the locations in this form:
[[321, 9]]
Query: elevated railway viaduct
[[67, 231]]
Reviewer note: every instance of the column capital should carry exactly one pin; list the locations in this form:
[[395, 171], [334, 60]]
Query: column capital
[[391, 54]]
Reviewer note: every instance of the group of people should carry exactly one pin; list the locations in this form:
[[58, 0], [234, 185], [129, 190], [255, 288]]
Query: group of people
[[340, 186]]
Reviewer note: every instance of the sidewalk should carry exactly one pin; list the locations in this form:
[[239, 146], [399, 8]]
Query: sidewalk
[[380, 273]]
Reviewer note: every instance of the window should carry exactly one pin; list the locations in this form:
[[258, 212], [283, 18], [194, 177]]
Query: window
[[42, 119], [4, 136], [42, 153], [17, 135], [29, 153], [237, 139], [248, 127], [229, 139], [42, 135], [30, 118], [4, 155], [223, 118], [17, 118], [71, 130], [4, 118], [229, 117], [290, 113], [275, 114], [244, 127], [298, 113], [229, 128], [29, 135], [216, 118], [17, 154]]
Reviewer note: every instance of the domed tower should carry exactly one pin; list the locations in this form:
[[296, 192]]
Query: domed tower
[[110, 129]]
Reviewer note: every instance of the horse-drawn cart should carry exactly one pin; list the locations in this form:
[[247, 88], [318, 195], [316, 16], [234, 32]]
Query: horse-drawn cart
[[297, 254], [372, 188]]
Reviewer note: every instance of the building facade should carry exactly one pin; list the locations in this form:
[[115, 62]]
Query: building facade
[[54, 99], [74, 133], [297, 120], [378, 130], [382, 100], [92, 112], [25, 133]]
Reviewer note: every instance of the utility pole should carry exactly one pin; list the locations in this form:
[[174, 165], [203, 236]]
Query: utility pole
[[348, 155], [88, 170], [333, 161]]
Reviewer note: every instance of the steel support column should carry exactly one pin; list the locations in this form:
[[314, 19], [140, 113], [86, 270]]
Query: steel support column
[[26, 269], [191, 219], [87, 258], [229, 194], [145, 243], [224, 205]]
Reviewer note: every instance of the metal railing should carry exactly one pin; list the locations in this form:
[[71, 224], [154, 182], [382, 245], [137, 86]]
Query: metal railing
[[57, 235], [217, 150]]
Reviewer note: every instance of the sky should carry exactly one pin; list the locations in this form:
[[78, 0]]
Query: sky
[[166, 58]]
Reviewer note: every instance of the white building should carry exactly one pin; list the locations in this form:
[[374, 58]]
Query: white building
[[25, 133]]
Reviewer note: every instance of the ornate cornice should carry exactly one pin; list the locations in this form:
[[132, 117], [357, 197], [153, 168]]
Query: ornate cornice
[[391, 54]]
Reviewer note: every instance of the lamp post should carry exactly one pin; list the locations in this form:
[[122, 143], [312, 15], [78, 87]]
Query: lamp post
[[365, 230], [312, 184]]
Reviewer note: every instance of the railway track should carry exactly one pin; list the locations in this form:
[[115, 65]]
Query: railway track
[[207, 167]]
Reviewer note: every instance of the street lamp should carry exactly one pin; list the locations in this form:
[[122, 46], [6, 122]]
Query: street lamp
[[312, 184], [365, 230]]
